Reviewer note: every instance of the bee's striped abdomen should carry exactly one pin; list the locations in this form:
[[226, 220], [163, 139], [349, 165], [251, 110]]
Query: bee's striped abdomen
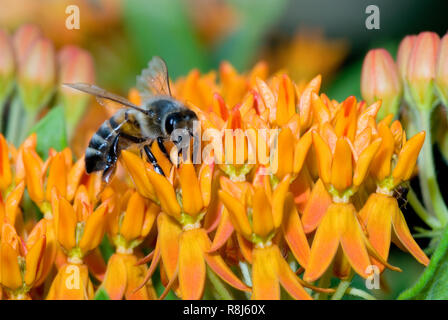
[[100, 145]]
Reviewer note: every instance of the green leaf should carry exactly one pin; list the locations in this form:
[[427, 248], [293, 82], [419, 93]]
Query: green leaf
[[255, 18], [51, 132], [162, 28], [433, 283], [101, 294], [106, 248]]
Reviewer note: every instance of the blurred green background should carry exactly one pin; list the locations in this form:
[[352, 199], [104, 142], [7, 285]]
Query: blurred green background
[[305, 37]]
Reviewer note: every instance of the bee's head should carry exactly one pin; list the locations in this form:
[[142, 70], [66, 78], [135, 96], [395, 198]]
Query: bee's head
[[182, 119]]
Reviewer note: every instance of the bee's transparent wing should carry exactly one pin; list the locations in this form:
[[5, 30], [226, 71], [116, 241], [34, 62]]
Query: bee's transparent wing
[[154, 81], [105, 98]]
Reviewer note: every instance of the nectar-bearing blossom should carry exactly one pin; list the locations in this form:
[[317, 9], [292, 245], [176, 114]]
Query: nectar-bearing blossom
[[129, 222], [182, 243]]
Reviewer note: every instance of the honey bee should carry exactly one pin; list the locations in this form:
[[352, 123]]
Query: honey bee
[[157, 117]]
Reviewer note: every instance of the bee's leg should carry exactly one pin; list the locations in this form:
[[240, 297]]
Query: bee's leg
[[112, 157], [162, 147], [153, 160]]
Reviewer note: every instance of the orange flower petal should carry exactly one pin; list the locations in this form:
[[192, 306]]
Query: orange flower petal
[[237, 214], [57, 177], [262, 221], [352, 240], [13, 202], [217, 264], [191, 266], [132, 223], [342, 167], [74, 177], [136, 168], [278, 200], [115, 279], [265, 283], [10, 276], [404, 235], [151, 214], [325, 244], [223, 232], [364, 162], [324, 157], [408, 157], [376, 216], [301, 151], [286, 150], [165, 194], [34, 261], [33, 168], [294, 234], [289, 279], [94, 229], [168, 239], [66, 224], [381, 164], [5, 167], [205, 182], [316, 207], [191, 190]]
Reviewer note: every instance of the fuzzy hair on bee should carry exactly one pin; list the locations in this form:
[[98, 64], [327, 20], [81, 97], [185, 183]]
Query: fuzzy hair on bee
[[155, 120]]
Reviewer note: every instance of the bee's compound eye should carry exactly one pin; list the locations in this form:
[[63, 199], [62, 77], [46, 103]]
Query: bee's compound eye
[[171, 121]]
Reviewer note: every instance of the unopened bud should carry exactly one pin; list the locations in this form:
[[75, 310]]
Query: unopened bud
[[24, 38], [442, 71], [404, 52], [75, 65], [380, 81], [37, 75], [7, 66], [421, 71]]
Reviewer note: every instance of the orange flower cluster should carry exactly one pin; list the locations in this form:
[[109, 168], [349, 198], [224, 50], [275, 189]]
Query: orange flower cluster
[[329, 203]]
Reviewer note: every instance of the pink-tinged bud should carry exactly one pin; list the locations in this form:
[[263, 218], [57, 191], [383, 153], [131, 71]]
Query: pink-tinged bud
[[380, 81], [24, 38], [404, 52], [421, 71], [75, 65], [37, 75], [7, 66], [442, 71]]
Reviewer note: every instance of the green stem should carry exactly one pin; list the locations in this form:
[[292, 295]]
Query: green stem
[[432, 197], [221, 292], [324, 282], [342, 288], [421, 211], [16, 112], [29, 120], [360, 293]]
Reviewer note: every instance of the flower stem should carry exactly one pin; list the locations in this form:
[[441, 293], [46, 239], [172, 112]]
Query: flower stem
[[16, 111], [220, 290], [432, 197], [360, 293], [421, 211], [342, 288]]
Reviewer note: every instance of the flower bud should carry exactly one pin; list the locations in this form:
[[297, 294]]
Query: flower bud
[[421, 70], [24, 38], [442, 71], [7, 66], [37, 75], [75, 65], [380, 81], [404, 51]]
